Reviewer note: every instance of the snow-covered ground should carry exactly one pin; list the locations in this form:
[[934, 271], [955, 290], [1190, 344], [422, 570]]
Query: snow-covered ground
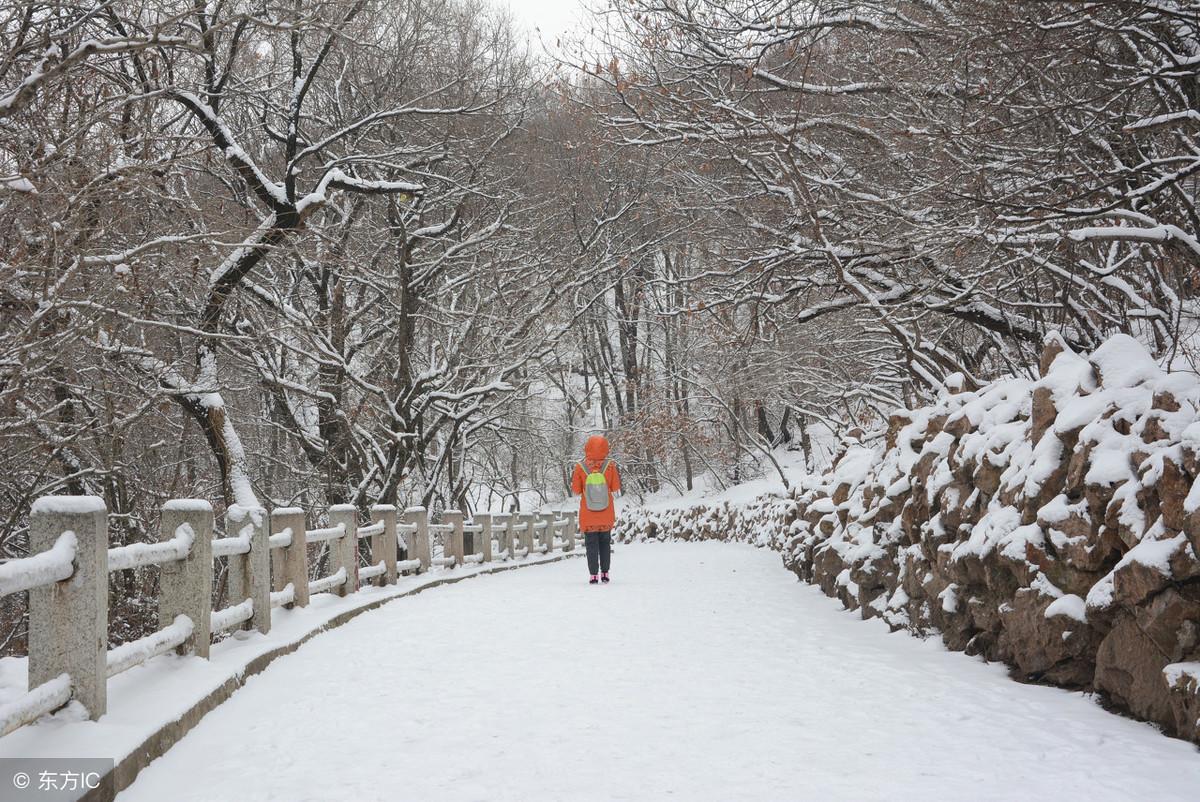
[[143, 699], [707, 491], [705, 672]]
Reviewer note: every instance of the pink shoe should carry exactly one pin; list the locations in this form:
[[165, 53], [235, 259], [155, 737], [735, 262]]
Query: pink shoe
[[604, 577], [593, 580]]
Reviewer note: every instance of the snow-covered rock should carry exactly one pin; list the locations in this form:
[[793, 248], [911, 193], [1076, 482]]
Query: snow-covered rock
[[1049, 523]]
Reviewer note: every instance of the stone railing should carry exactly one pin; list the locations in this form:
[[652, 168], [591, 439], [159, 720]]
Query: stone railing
[[268, 567]]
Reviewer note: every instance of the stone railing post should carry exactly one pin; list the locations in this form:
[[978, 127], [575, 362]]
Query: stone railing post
[[68, 621], [485, 535], [569, 530], [470, 539], [453, 546], [250, 574], [185, 586], [383, 546], [416, 544], [290, 563], [343, 552], [548, 532], [502, 525], [527, 520]]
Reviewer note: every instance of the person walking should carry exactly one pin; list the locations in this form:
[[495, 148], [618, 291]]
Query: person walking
[[595, 480]]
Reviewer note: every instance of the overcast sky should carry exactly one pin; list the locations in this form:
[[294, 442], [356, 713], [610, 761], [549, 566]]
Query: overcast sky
[[551, 16]]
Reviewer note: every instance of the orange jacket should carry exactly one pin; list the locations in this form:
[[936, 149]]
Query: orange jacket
[[595, 452]]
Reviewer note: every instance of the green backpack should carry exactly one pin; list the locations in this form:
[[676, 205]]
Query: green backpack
[[595, 488]]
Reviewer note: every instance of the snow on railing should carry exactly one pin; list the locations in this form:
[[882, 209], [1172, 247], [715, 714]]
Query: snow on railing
[[139, 555], [230, 617], [286, 596], [328, 533], [330, 582], [46, 568], [67, 579], [134, 653], [372, 571], [373, 529], [29, 707], [230, 546], [280, 540]]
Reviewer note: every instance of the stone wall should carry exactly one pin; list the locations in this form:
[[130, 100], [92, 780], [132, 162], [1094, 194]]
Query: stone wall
[[1049, 523]]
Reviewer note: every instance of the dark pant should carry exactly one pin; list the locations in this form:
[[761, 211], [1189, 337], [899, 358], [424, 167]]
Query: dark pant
[[599, 550]]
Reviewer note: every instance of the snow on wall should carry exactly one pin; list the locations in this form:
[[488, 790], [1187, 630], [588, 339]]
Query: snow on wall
[[1050, 523]]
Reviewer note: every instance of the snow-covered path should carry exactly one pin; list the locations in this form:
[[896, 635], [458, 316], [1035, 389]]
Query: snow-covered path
[[705, 672]]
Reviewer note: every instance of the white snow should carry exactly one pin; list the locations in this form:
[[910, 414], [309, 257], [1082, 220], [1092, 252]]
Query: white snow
[[37, 702], [705, 491], [705, 672], [285, 596], [373, 529], [138, 555], [1154, 554], [328, 533], [1069, 605], [44, 568], [221, 620], [1192, 502], [134, 653], [372, 571], [164, 689], [334, 580], [1177, 671], [187, 505], [1124, 362], [949, 597], [229, 546], [1100, 596], [68, 504], [281, 539], [252, 514]]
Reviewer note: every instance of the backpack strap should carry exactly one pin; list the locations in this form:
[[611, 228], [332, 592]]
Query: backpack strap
[[603, 468]]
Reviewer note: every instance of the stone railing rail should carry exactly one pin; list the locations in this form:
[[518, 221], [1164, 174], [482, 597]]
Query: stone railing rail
[[267, 567]]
